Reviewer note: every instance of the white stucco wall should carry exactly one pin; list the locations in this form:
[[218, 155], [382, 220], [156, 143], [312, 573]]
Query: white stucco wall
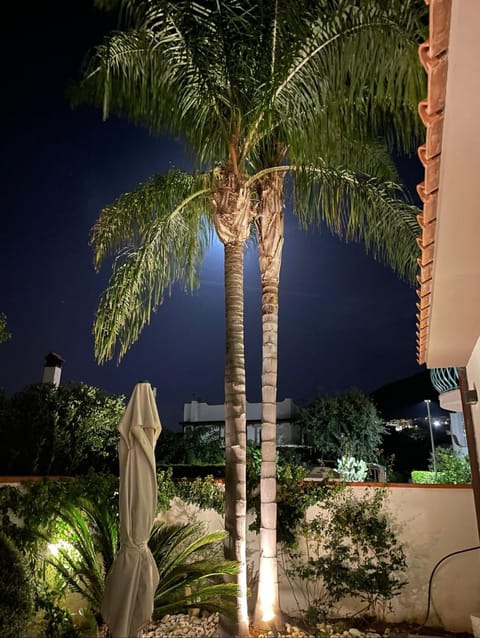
[[473, 375], [431, 521], [199, 411]]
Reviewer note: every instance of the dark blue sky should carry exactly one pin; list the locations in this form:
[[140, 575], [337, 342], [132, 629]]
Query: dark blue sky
[[344, 319]]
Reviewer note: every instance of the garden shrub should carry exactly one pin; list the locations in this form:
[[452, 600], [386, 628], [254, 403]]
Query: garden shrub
[[451, 468], [422, 477], [348, 550], [192, 570], [351, 469], [70, 531], [16, 596]]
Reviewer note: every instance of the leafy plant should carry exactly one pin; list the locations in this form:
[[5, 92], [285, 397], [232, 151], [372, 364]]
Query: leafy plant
[[422, 476], [451, 468], [351, 469], [343, 425], [69, 531], [66, 431], [294, 495], [16, 591], [192, 570], [83, 547], [204, 492], [351, 551]]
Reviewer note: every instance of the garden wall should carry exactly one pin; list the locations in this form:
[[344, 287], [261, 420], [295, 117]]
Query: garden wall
[[432, 521]]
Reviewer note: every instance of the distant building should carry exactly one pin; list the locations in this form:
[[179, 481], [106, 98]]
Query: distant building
[[289, 433], [445, 381]]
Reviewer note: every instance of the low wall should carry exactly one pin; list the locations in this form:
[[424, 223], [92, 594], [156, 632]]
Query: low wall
[[431, 522]]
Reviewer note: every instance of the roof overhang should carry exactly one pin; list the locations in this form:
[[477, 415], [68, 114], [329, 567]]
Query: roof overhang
[[449, 291]]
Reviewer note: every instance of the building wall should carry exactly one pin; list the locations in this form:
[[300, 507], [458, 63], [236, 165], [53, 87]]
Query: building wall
[[288, 433], [473, 374], [196, 411]]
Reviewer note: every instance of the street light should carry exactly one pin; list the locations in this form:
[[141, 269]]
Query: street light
[[427, 401]]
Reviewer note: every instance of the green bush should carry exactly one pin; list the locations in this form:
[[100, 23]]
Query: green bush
[[351, 552], [192, 570], [70, 532], [451, 468], [423, 476], [16, 596]]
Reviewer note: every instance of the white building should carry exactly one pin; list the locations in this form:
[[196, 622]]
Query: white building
[[448, 329], [289, 434]]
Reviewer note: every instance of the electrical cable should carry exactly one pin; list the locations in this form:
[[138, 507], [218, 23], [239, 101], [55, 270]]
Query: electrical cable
[[429, 599]]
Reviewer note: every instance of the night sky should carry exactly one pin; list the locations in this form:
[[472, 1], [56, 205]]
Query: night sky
[[345, 320]]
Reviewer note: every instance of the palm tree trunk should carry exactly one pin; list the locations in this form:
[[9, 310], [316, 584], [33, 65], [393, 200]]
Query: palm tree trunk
[[232, 224], [235, 430], [270, 237]]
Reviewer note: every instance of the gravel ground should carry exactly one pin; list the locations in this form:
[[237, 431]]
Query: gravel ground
[[186, 626]]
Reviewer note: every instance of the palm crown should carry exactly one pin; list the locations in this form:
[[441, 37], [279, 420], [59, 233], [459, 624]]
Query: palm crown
[[314, 87]]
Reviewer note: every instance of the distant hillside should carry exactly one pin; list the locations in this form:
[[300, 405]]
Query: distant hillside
[[404, 399]]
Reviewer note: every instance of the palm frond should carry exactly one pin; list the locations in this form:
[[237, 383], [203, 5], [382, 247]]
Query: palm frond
[[360, 208], [172, 67], [347, 65], [191, 571], [159, 234], [92, 539]]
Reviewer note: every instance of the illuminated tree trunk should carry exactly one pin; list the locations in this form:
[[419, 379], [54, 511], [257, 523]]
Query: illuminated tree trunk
[[232, 218], [270, 240]]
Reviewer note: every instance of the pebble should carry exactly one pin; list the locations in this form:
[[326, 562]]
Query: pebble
[[205, 626]]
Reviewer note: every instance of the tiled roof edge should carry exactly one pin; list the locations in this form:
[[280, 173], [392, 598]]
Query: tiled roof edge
[[433, 55]]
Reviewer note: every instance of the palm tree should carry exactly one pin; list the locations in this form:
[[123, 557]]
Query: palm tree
[[259, 89], [175, 67], [340, 84]]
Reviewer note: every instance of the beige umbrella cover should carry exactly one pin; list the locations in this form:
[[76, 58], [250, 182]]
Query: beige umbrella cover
[[133, 577]]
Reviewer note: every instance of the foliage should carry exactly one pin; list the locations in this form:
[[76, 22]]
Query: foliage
[[422, 476], [69, 532], [85, 539], [316, 89], [192, 570], [343, 425], [403, 451], [206, 493], [66, 430], [351, 551], [294, 494], [201, 446], [169, 448], [4, 334], [57, 619], [451, 468], [16, 591], [351, 469]]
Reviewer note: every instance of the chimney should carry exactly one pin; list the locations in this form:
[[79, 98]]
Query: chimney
[[52, 370]]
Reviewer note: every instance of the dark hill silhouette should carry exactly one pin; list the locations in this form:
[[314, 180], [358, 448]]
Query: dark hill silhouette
[[404, 399]]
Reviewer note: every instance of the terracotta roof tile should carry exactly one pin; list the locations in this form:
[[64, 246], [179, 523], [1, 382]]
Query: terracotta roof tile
[[434, 57]]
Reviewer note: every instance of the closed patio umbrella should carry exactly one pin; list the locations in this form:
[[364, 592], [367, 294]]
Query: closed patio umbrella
[[133, 577]]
